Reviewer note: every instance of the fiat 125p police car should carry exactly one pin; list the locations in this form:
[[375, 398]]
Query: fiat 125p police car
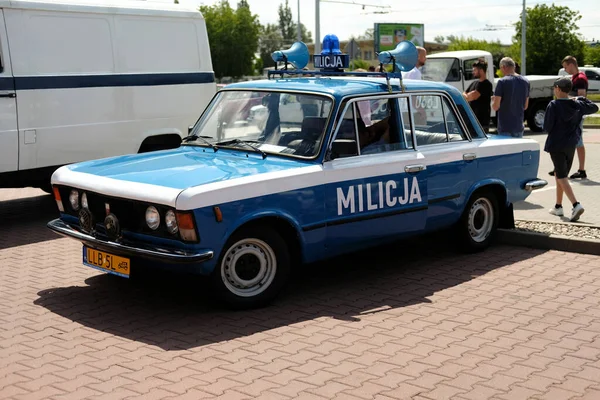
[[248, 195]]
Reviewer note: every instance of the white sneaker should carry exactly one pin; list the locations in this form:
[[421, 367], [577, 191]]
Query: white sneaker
[[557, 211], [576, 213]]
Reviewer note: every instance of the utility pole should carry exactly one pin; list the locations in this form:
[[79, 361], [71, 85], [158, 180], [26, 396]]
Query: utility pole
[[299, 29], [523, 38], [317, 28]]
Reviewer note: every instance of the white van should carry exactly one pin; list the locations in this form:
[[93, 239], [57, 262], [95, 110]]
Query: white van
[[84, 81]]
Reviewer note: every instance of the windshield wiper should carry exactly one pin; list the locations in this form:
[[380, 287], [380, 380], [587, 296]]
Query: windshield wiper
[[194, 137], [240, 141]]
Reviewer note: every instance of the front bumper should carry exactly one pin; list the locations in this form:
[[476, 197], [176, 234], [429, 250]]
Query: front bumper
[[535, 184], [139, 250]]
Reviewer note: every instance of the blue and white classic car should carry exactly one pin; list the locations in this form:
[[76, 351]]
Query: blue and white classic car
[[331, 162]]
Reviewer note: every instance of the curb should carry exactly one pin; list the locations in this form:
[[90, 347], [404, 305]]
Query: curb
[[548, 242], [591, 126], [541, 221]]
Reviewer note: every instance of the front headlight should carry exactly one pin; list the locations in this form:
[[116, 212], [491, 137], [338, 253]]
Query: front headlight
[[171, 222], [74, 199], [152, 218]]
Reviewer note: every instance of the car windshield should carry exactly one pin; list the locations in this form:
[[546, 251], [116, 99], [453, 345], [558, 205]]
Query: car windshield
[[441, 70], [268, 122]]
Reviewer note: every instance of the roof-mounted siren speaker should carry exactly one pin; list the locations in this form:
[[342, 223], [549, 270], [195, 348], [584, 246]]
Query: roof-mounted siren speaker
[[297, 55], [404, 56]]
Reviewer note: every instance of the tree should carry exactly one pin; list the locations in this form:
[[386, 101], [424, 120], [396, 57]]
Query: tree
[[439, 39], [551, 35], [270, 41], [497, 50], [231, 30], [288, 28], [592, 56]]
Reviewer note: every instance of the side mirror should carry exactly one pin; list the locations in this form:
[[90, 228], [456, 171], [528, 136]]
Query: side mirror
[[343, 148]]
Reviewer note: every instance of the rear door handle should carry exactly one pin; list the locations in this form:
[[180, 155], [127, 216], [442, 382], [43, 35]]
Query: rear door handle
[[469, 156], [414, 168], [8, 94]]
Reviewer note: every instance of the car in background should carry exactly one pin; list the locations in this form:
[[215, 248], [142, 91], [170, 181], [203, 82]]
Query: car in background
[[593, 75]]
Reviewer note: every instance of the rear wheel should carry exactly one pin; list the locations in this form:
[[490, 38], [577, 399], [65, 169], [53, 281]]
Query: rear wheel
[[535, 118], [479, 222], [253, 268]]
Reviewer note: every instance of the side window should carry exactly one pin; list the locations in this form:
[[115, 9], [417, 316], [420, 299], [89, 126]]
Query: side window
[[468, 68], [428, 114], [345, 143], [455, 130], [378, 130], [454, 72], [472, 131], [592, 76]]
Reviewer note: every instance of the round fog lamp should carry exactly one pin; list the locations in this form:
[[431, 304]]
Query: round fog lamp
[[84, 202], [111, 223], [152, 218], [86, 220], [171, 222], [74, 199]]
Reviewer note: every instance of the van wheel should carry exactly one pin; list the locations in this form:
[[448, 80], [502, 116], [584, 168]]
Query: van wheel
[[535, 118], [479, 223], [253, 268]]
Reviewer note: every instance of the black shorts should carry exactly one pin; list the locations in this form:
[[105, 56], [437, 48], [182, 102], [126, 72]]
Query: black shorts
[[562, 160]]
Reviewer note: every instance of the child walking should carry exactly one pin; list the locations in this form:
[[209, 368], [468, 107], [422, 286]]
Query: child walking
[[563, 125]]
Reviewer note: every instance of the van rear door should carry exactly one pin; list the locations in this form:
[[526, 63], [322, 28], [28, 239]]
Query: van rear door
[[9, 134]]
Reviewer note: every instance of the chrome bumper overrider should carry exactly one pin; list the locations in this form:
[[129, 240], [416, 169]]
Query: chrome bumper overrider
[[535, 184], [145, 251]]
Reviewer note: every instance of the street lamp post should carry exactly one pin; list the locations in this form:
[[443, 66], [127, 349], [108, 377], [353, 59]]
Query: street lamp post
[[523, 39], [299, 29], [317, 28]]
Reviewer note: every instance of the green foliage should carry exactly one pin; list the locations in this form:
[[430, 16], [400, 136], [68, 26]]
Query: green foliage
[[358, 63], [230, 29], [288, 28], [551, 35], [497, 50], [270, 41], [592, 56]]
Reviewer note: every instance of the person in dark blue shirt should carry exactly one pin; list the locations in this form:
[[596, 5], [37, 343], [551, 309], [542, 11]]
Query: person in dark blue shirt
[[511, 99], [563, 125]]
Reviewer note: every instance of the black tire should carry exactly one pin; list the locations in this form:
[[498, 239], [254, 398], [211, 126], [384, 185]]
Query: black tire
[[264, 248], [535, 117], [475, 231]]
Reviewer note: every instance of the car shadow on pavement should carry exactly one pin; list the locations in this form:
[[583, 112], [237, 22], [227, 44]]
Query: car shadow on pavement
[[525, 205], [24, 221], [175, 312]]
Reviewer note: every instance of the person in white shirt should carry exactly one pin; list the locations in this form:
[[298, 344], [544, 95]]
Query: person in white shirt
[[415, 73]]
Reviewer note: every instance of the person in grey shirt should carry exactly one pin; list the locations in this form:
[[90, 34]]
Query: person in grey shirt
[[510, 100]]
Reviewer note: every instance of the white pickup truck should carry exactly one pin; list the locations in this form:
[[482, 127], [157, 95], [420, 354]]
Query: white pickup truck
[[455, 68]]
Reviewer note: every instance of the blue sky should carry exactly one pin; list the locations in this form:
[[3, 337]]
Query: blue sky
[[440, 17]]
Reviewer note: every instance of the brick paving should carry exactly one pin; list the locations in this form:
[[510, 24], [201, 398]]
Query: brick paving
[[539, 202], [404, 323]]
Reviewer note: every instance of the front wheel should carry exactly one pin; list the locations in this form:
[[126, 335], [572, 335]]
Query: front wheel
[[253, 268], [479, 222]]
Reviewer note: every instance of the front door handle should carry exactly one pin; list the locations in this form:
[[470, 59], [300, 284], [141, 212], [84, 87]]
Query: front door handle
[[414, 168], [469, 156], [8, 94]]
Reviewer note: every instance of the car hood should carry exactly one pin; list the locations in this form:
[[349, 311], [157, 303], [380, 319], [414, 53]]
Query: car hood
[[184, 167]]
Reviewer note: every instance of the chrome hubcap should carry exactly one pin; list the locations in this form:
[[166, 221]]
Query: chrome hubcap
[[249, 267], [481, 220], [539, 118]]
